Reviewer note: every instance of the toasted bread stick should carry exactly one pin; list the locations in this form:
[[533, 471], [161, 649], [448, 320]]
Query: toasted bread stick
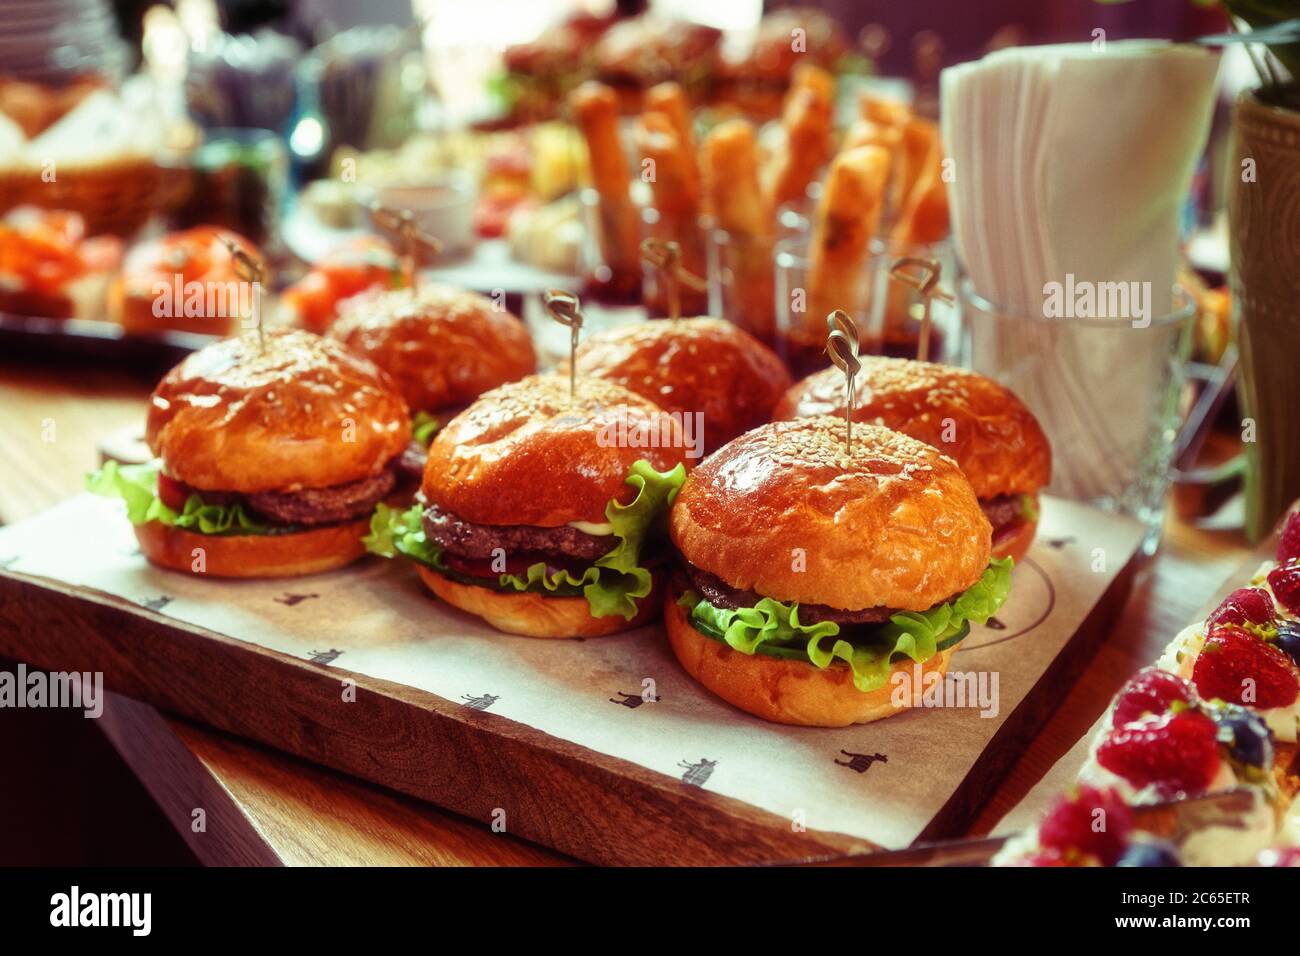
[[732, 192], [924, 216], [920, 140], [845, 221], [731, 179], [670, 99], [887, 112], [807, 118], [675, 186], [595, 110]]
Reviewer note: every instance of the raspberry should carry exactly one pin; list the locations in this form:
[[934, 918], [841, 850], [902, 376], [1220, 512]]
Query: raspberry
[[1285, 582], [1288, 549], [1091, 822], [1175, 752], [1243, 669], [1244, 606], [1150, 691]]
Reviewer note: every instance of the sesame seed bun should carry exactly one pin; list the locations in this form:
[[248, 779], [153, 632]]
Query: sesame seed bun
[[781, 690], [524, 455], [701, 365], [303, 412], [537, 615], [783, 511], [253, 555], [443, 346], [982, 426]]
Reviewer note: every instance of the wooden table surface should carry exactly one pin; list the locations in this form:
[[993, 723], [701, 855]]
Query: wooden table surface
[[262, 806]]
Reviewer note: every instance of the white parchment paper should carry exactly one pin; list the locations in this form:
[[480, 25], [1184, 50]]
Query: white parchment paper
[[375, 618]]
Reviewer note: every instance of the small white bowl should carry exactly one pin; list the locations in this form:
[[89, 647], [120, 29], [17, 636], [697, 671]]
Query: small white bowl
[[443, 207]]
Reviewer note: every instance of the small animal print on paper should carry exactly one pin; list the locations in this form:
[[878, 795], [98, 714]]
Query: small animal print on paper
[[633, 701], [860, 763], [698, 773]]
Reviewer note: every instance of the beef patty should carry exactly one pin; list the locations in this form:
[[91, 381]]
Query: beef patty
[[409, 465], [317, 506], [307, 507], [1002, 511], [721, 594], [471, 540]]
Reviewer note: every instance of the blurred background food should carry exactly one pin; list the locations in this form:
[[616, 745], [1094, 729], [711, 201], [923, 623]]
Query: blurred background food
[[538, 142]]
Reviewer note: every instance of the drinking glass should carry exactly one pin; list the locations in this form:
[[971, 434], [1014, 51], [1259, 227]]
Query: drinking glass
[[1106, 391]]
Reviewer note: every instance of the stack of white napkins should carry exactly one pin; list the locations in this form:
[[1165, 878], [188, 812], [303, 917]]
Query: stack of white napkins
[[1071, 166], [1074, 159]]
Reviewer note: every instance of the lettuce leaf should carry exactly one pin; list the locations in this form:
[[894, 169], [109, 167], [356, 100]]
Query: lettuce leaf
[[616, 580], [394, 531], [914, 634], [137, 485], [423, 427]]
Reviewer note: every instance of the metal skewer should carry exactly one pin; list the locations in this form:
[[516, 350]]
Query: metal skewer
[[250, 269], [665, 256], [842, 347], [564, 307], [925, 280], [402, 222]]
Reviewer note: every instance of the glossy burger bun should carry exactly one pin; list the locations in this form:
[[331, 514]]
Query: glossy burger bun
[[443, 345], [303, 412], [253, 555], [978, 423], [784, 512], [535, 615], [785, 691], [523, 455], [704, 365]]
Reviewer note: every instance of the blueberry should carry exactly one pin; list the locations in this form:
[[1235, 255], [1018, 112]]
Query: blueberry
[[1247, 737], [1149, 853], [1288, 639]]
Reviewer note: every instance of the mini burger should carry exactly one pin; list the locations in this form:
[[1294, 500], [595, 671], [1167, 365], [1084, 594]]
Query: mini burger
[[271, 457], [821, 589], [717, 378], [537, 512], [443, 346], [972, 419]]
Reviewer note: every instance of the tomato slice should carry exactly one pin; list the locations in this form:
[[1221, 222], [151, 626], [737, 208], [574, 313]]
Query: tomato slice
[[173, 493]]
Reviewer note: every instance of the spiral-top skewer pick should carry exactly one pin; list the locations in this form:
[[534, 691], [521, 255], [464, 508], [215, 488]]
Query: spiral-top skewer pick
[[923, 276], [402, 222], [251, 270], [842, 347], [564, 307], [665, 257]]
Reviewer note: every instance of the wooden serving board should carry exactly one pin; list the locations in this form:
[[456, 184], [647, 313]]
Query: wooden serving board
[[1063, 773], [557, 741]]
